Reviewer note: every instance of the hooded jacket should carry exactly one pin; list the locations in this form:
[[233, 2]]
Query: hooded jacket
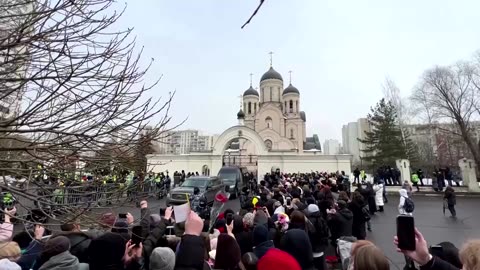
[[403, 194], [340, 223], [63, 261], [261, 241], [190, 253], [228, 255], [79, 242], [296, 243]]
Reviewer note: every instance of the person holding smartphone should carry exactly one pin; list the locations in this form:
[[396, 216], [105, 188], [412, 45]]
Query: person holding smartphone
[[422, 256]]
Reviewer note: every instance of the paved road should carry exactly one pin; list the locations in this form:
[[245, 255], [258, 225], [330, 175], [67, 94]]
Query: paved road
[[429, 219]]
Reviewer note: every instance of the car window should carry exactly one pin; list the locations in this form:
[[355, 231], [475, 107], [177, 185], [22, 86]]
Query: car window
[[210, 183], [217, 182]]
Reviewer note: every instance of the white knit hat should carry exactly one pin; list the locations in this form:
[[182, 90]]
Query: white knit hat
[[6, 264], [312, 208]]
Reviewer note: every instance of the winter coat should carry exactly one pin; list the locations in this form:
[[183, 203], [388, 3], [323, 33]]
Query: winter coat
[[63, 261], [403, 195], [378, 189], [190, 253], [262, 248], [370, 197], [6, 230], [359, 229], [320, 233], [153, 240], [450, 197], [340, 223], [79, 242], [296, 243], [145, 221], [438, 264], [33, 251]]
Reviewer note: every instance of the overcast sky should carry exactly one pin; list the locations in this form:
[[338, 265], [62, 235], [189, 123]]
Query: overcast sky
[[339, 51]]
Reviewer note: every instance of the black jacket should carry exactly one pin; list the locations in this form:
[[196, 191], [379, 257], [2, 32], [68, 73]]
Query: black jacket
[[320, 233], [245, 241], [79, 243], [450, 197], [340, 224], [153, 240], [358, 227], [191, 253], [296, 243], [262, 248], [438, 264], [145, 222]]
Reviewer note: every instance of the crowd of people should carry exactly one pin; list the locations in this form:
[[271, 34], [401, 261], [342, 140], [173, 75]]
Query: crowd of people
[[289, 221]]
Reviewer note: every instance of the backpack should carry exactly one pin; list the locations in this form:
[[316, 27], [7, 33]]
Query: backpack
[[408, 205], [366, 213], [320, 230]]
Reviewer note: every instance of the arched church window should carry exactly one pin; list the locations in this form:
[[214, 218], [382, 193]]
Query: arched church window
[[271, 93], [296, 105], [254, 107], [285, 108], [268, 144], [291, 106], [268, 122], [249, 107], [291, 134]]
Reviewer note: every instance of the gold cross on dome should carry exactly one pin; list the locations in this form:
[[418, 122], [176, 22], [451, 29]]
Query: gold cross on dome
[[271, 59]]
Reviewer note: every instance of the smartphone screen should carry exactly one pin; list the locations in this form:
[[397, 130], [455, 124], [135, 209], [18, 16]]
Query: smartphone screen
[[406, 232], [137, 235], [122, 216], [229, 218]]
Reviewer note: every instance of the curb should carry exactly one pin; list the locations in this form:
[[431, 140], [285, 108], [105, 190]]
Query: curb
[[437, 194]]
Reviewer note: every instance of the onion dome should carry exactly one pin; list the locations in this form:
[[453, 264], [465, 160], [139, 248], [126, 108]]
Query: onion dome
[[271, 74], [291, 89], [251, 92], [240, 114]]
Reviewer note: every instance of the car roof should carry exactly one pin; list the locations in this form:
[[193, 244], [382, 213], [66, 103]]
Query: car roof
[[203, 177]]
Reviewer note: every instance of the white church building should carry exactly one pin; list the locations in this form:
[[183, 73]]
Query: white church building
[[270, 134]]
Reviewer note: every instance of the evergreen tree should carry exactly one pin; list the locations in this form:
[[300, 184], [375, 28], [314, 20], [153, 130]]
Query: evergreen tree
[[384, 143]]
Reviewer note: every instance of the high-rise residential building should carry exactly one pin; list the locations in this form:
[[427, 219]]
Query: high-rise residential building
[[439, 144], [184, 142], [351, 132], [331, 147]]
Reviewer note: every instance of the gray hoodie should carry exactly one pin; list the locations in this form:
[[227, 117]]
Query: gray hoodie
[[63, 261]]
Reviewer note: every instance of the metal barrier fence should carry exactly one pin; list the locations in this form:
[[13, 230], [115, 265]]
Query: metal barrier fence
[[83, 196]]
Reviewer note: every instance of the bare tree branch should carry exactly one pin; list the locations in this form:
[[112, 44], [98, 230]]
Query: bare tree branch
[[253, 14]]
